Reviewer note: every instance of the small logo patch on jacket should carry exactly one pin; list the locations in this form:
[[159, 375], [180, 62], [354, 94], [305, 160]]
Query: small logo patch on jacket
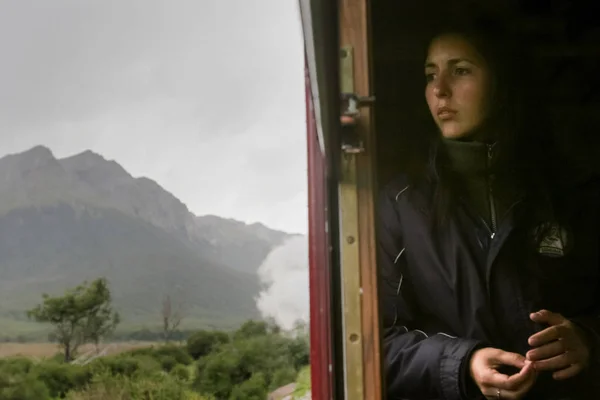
[[556, 240]]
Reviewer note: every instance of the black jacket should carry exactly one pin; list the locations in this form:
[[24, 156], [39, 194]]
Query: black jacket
[[445, 294]]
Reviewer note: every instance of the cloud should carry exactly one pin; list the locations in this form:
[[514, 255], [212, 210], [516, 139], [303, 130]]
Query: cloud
[[285, 275], [205, 97]]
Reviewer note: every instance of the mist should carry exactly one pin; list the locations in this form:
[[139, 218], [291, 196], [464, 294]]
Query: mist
[[284, 273]]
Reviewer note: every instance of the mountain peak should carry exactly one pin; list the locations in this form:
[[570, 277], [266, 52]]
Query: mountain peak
[[86, 157], [31, 159], [38, 150], [39, 153], [90, 164]]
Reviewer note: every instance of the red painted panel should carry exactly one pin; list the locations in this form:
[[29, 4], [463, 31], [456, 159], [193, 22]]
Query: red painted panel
[[319, 262]]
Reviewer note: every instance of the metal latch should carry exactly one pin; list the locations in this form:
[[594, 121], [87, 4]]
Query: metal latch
[[350, 138], [351, 103]]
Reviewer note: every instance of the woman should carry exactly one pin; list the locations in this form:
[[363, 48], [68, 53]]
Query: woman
[[489, 265]]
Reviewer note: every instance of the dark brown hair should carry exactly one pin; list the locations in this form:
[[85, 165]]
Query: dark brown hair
[[526, 151]]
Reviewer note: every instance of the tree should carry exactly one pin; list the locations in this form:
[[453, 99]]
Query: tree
[[101, 321], [228, 373], [203, 342], [252, 328], [171, 317], [252, 389], [81, 314]]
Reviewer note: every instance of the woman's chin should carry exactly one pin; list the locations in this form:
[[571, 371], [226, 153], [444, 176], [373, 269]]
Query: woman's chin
[[455, 134], [456, 131]]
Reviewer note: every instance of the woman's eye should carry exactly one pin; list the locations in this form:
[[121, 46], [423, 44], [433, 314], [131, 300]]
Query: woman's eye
[[460, 71], [429, 77]]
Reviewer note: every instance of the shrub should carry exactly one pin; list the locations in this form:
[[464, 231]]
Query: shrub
[[148, 365], [302, 383], [168, 363], [142, 351], [300, 351], [283, 377], [202, 343], [274, 356], [25, 387], [58, 378], [181, 373], [15, 366], [121, 365], [177, 352], [109, 387], [251, 329], [57, 358], [252, 389]]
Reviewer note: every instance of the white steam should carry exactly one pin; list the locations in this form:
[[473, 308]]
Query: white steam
[[285, 275]]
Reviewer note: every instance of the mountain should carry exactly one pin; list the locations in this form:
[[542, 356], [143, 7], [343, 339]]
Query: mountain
[[63, 221]]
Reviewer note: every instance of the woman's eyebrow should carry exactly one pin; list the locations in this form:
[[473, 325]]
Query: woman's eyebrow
[[454, 61], [451, 62]]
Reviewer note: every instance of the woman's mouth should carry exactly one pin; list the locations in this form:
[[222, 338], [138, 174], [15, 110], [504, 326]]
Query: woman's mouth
[[445, 113]]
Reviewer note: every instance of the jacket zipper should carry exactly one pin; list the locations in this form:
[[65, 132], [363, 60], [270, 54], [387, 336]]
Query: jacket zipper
[[491, 195]]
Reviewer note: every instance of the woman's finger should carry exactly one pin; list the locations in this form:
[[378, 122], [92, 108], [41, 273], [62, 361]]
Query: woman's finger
[[513, 392], [511, 383], [546, 336], [568, 372], [507, 358], [546, 351], [552, 364], [547, 317]]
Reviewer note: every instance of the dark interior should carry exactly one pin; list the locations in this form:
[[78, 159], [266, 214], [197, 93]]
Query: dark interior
[[565, 38]]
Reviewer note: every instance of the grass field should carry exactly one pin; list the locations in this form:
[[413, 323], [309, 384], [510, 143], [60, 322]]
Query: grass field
[[46, 350]]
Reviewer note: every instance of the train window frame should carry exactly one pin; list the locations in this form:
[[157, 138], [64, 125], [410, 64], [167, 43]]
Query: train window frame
[[378, 36]]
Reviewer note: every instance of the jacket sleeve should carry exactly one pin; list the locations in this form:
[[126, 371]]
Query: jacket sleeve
[[590, 323], [420, 362]]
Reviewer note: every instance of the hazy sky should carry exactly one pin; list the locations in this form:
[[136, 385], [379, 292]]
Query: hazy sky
[[203, 96]]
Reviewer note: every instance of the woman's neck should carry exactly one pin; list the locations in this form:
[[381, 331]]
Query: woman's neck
[[469, 157]]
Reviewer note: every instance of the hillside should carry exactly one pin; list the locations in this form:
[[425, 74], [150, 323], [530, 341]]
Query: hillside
[[66, 220]]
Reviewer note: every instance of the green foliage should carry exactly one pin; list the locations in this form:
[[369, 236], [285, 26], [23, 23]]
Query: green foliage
[[22, 379], [300, 351], [246, 365], [101, 323], [283, 377], [81, 314], [122, 365], [148, 365], [167, 356], [203, 342], [142, 351], [15, 366], [22, 387], [252, 328], [167, 363], [181, 373], [218, 373], [58, 378], [252, 389], [177, 352], [303, 382], [109, 387], [257, 353]]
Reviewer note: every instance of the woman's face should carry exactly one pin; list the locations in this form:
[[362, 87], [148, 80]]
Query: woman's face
[[458, 86]]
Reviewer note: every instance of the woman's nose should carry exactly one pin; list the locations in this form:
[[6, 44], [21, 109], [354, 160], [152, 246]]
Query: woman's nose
[[441, 88]]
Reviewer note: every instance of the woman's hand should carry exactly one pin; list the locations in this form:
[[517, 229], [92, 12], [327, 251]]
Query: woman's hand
[[484, 366], [562, 347]]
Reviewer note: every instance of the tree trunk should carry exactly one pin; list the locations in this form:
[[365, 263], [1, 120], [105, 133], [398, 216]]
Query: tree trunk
[[67, 352]]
